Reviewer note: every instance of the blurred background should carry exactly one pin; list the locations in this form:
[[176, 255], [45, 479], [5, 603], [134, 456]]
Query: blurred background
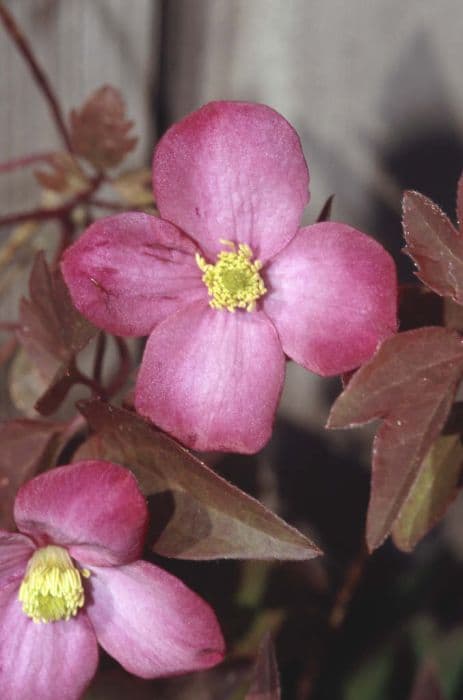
[[374, 89]]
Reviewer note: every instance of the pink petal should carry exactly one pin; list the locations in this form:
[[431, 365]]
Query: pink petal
[[212, 378], [235, 171], [43, 661], [333, 297], [15, 552], [95, 509], [151, 622], [128, 272]]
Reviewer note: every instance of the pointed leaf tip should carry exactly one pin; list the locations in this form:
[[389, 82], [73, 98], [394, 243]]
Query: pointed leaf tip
[[325, 211], [434, 245], [410, 384], [265, 683], [200, 515]]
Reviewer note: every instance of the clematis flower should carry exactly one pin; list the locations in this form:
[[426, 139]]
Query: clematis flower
[[226, 284], [72, 577]]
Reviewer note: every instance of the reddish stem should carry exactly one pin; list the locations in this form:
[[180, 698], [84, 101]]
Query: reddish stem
[[337, 615], [119, 378], [25, 161], [39, 75], [80, 378], [99, 357], [61, 212], [66, 236], [347, 590]]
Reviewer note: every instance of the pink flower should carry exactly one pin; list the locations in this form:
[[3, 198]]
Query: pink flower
[[226, 284], [72, 577]]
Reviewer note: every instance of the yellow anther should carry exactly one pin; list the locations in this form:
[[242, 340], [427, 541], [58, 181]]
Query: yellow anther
[[234, 281], [52, 587]]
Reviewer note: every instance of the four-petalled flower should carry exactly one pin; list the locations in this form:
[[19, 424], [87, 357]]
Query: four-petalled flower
[[226, 284], [72, 577]]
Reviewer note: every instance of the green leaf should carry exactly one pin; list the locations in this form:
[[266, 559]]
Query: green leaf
[[200, 515], [433, 491], [410, 383]]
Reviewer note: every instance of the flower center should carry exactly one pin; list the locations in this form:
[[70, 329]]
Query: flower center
[[234, 281], [52, 588]]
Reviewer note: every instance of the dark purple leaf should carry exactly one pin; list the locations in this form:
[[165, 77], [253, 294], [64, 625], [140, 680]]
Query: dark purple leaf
[[434, 245], [100, 129], [52, 332], [28, 446], [265, 684], [410, 383], [200, 515]]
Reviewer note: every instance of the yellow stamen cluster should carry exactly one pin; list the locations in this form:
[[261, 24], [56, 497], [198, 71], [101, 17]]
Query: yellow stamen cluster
[[234, 281], [52, 587]]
